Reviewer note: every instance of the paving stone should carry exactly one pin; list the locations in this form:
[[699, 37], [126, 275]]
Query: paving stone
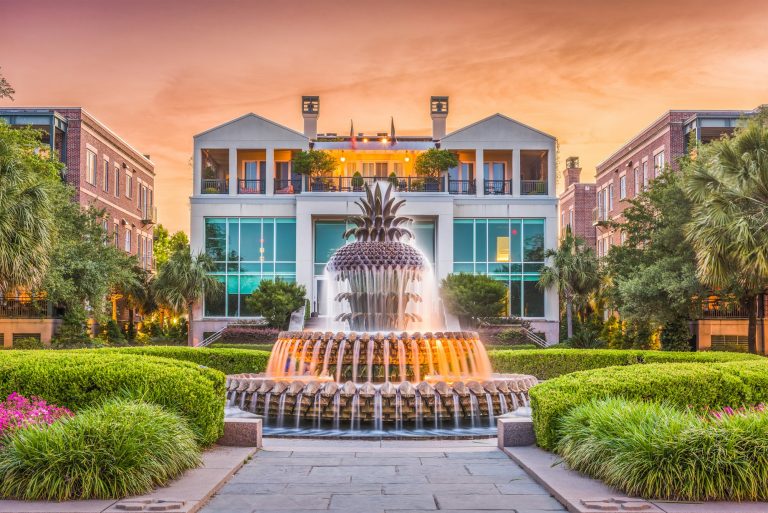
[[496, 470], [420, 488], [462, 461], [239, 488], [488, 454], [402, 460], [521, 487], [231, 503], [325, 490], [485, 502], [368, 502], [393, 479], [384, 453], [265, 453]]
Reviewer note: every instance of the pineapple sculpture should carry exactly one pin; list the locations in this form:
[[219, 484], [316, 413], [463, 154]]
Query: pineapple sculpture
[[378, 274]]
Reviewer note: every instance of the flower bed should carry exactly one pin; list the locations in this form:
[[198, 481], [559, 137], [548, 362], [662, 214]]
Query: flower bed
[[658, 451], [18, 411]]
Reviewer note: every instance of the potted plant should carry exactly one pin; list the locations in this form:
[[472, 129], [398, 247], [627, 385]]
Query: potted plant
[[433, 163], [357, 181], [314, 164]]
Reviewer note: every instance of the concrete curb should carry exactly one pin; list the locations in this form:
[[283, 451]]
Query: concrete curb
[[185, 495], [581, 494]]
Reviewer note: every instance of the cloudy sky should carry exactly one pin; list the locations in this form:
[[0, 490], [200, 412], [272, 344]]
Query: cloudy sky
[[592, 73]]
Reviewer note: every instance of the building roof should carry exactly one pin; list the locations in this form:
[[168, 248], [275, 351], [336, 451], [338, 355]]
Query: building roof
[[496, 116], [251, 115]]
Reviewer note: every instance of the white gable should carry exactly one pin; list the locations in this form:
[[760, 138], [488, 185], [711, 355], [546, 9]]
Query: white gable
[[495, 128], [251, 128]]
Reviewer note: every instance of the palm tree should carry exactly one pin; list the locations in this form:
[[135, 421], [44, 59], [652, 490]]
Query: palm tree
[[28, 194], [574, 271], [183, 280], [728, 185], [137, 288]]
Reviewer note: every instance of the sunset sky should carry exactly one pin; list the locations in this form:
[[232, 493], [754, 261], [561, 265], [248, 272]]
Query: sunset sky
[[592, 73]]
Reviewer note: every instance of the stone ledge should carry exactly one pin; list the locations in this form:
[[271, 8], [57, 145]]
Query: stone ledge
[[582, 494], [515, 431], [241, 432]]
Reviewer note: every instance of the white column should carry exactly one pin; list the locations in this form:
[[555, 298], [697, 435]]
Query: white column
[[551, 171], [197, 173], [270, 178], [233, 171], [479, 172], [444, 239], [304, 248], [516, 184]]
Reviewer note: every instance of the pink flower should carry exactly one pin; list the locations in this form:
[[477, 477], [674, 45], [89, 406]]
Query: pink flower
[[17, 411]]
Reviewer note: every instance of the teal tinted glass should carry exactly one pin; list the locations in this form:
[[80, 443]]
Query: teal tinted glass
[[533, 242], [328, 238], [233, 240], [516, 240], [250, 235], [216, 238], [424, 231], [267, 249], [215, 301], [285, 240], [481, 240], [498, 240], [463, 235], [533, 297], [515, 296]]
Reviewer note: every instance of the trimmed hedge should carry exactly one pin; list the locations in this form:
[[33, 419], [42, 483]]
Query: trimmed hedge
[[551, 363], [228, 361], [78, 379], [698, 385]]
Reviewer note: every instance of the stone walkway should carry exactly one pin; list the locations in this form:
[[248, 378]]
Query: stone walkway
[[291, 476]]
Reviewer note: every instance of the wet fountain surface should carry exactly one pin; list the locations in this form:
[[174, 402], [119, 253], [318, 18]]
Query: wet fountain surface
[[378, 380]]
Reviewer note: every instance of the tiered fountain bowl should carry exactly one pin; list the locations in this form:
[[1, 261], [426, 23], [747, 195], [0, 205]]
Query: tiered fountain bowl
[[383, 379]]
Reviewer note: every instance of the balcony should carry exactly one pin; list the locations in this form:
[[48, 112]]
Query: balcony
[[358, 183], [729, 308], [25, 308], [291, 186], [250, 186], [599, 216], [533, 187], [461, 187], [497, 187], [215, 186], [148, 214]]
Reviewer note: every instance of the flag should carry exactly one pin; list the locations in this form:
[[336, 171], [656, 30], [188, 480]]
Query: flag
[[392, 139], [352, 138]]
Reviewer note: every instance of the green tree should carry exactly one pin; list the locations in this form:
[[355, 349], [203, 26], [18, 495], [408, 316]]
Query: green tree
[[85, 265], [184, 280], [275, 300], [137, 289], [314, 163], [652, 275], [575, 271], [433, 162], [165, 244], [6, 91], [473, 295], [728, 185], [29, 186]]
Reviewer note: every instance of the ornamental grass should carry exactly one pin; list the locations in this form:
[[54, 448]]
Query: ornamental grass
[[657, 451], [119, 448]]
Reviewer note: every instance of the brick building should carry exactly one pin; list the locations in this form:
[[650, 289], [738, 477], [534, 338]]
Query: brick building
[[106, 173], [576, 203], [625, 173]]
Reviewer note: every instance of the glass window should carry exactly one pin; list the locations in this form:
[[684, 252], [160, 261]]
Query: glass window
[[610, 196], [658, 163], [533, 242], [216, 301], [498, 240], [248, 283], [90, 167], [128, 185], [267, 242], [328, 238], [481, 243], [515, 296], [646, 178], [117, 181], [533, 297], [250, 239], [424, 231], [285, 235], [623, 186], [105, 185], [637, 180], [127, 246], [216, 238], [233, 240], [463, 235]]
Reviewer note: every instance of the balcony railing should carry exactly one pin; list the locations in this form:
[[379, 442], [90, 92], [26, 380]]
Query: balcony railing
[[533, 187], [292, 186], [215, 186], [250, 186], [599, 215], [357, 183], [497, 187], [148, 214], [23, 308], [461, 187], [729, 308]]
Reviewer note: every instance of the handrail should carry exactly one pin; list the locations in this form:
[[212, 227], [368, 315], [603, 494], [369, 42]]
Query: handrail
[[214, 186], [533, 337], [250, 186], [212, 338]]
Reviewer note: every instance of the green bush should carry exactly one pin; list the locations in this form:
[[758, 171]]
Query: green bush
[[660, 452], [228, 361], [81, 378], [109, 451], [698, 385], [28, 343], [251, 347], [551, 363]]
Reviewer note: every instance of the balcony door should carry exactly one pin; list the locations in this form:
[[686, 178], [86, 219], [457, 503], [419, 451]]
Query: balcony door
[[495, 177], [254, 175]]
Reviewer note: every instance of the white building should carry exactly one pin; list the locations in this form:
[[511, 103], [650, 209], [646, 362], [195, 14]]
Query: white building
[[259, 221]]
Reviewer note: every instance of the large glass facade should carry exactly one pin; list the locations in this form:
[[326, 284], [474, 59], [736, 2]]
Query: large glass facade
[[329, 238], [245, 251], [508, 250]]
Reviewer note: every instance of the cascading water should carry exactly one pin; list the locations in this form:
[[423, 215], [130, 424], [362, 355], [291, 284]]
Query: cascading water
[[370, 371]]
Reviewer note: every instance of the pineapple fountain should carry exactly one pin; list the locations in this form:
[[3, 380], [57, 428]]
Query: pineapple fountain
[[375, 375]]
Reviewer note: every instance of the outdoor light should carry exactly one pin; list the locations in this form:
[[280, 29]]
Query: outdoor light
[[365, 139], [384, 139], [407, 159], [343, 159]]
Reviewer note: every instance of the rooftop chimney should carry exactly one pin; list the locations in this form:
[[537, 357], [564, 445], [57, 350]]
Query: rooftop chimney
[[572, 171], [310, 109], [438, 109]]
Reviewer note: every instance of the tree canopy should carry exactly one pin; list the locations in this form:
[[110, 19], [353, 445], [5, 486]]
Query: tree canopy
[[314, 163], [473, 295], [165, 244], [434, 161]]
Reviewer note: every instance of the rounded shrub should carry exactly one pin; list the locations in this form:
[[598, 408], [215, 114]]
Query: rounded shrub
[[80, 378], [119, 448], [696, 385], [228, 361], [659, 451], [551, 363]]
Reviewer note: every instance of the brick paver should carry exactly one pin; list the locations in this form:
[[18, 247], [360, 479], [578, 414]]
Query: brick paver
[[306, 476]]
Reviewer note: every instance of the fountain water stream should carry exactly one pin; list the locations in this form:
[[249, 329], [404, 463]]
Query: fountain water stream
[[370, 370]]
